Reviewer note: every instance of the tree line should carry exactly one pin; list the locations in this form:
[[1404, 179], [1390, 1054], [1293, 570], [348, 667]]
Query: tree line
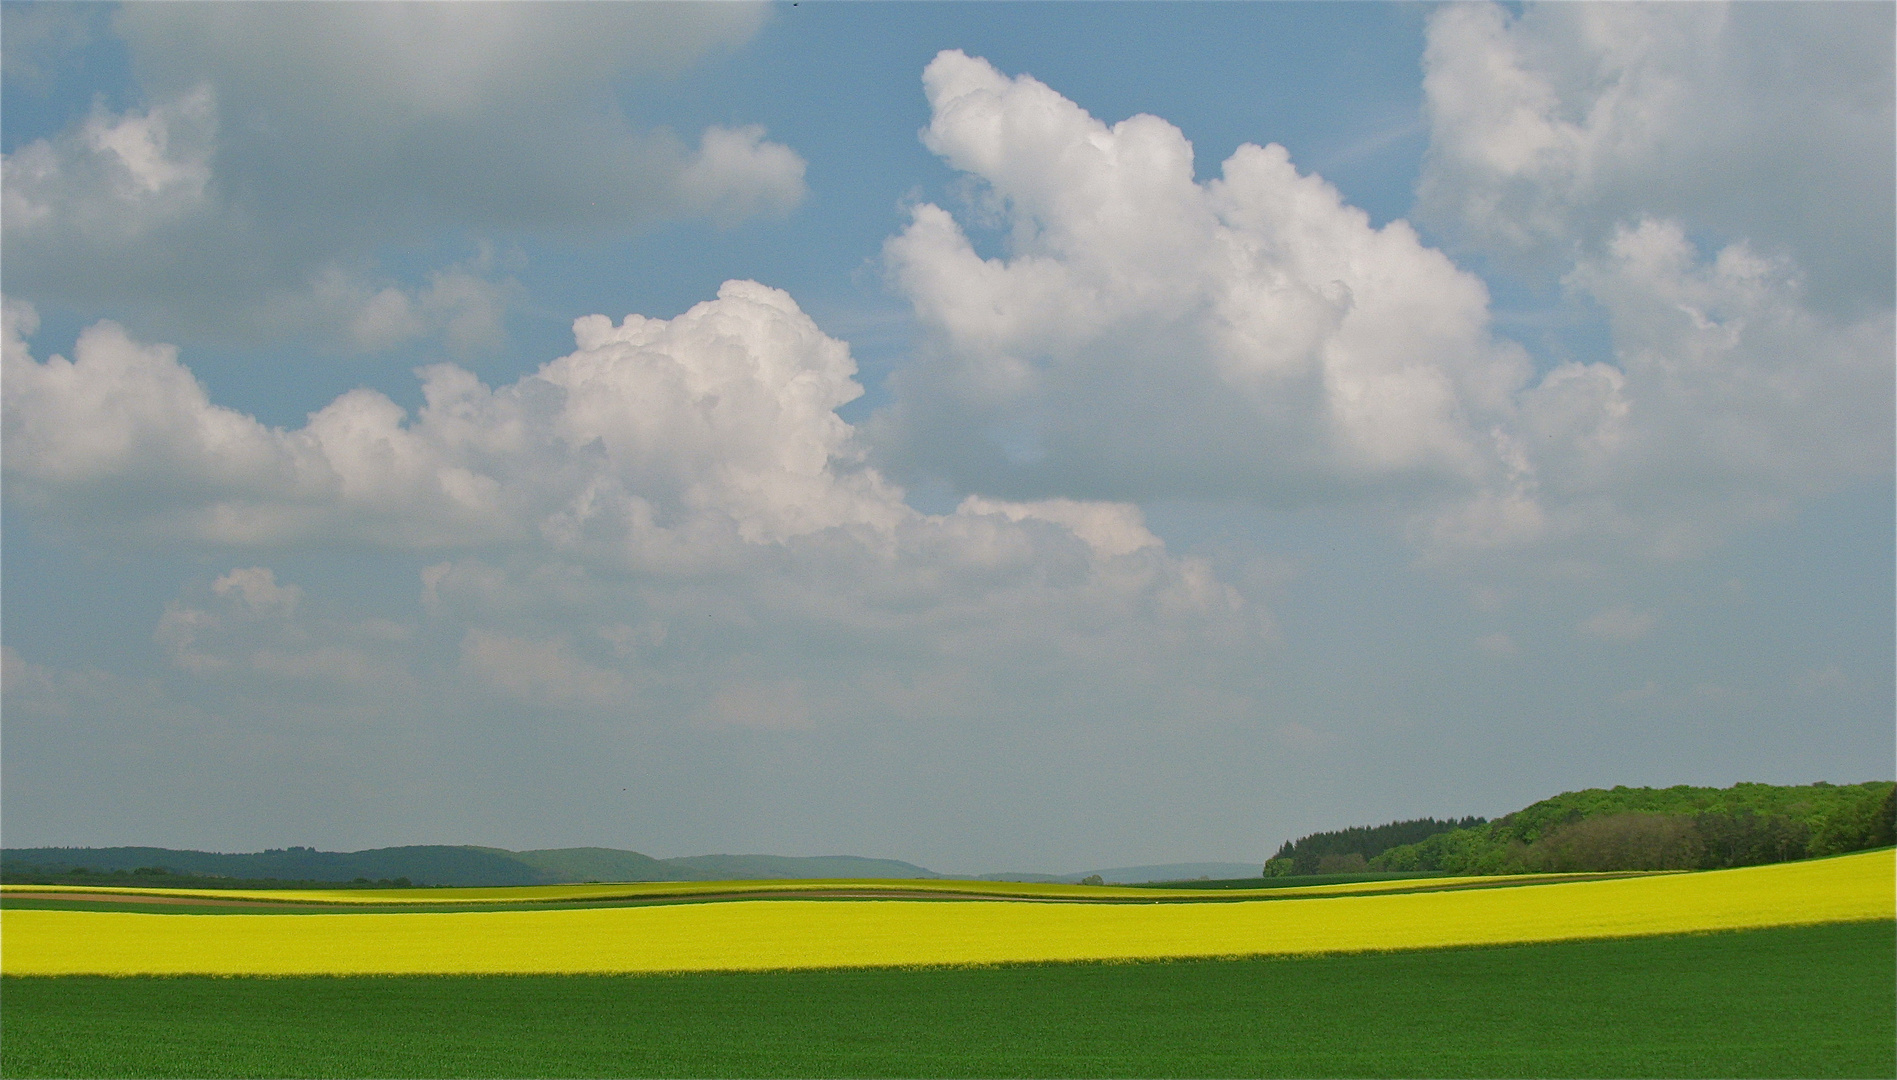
[[14, 872], [1621, 828], [1348, 850]]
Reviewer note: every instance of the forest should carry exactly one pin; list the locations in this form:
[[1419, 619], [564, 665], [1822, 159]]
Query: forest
[[1620, 828]]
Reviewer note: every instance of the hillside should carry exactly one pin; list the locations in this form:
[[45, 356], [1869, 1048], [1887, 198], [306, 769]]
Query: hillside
[[1623, 828], [488, 866], [786, 868], [1137, 875], [447, 865]]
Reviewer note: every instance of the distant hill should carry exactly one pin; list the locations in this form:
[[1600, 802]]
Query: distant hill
[[1140, 875], [446, 865], [781, 867], [423, 865], [1621, 828], [487, 866]]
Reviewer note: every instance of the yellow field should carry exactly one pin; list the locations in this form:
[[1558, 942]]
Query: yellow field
[[822, 933], [645, 890]]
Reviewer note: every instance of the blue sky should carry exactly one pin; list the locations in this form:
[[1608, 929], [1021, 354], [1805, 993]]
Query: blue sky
[[1053, 499]]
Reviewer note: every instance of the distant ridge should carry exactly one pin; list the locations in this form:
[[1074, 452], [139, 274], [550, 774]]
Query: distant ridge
[[467, 865], [1139, 875], [455, 865]]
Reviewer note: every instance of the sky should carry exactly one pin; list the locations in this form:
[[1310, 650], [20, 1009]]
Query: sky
[[1023, 436]]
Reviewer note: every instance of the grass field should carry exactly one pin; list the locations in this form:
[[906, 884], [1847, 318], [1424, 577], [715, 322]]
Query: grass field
[[809, 933], [1801, 1001]]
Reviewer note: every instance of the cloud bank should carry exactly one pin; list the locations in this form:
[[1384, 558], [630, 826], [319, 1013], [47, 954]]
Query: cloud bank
[[1143, 334], [1551, 129], [665, 466], [1147, 335], [280, 148], [649, 553]]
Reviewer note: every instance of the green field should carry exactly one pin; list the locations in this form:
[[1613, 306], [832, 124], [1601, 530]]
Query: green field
[[1807, 1001]]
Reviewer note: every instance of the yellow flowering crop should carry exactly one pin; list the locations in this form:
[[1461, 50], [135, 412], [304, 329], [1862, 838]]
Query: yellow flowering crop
[[653, 890], [828, 933]]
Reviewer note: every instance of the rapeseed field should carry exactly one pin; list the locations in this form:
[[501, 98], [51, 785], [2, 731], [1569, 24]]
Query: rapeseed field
[[829, 933], [689, 890]]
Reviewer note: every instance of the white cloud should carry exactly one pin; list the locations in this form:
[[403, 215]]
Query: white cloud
[[736, 175], [672, 513], [283, 146], [114, 179], [125, 421], [460, 305], [1737, 388], [1751, 369], [407, 61], [1771, 122], [259, 589], [1729, 402], [1146, 334], [1109, 528], [717, 424], [178, 632]]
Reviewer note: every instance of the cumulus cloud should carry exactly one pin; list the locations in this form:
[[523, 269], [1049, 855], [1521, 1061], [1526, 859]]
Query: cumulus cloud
[[720, 423], [1714, 180], [736, 174], [1146, 334], [463, 306], [1727, 402], [1738, 398], [1552, 127], [672, 512], [115, 179], [1143, 334], [280, 146], [258, 588]]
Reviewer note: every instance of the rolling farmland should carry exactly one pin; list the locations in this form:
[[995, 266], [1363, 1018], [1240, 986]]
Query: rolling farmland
[[1773, 970], [789, 931]]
